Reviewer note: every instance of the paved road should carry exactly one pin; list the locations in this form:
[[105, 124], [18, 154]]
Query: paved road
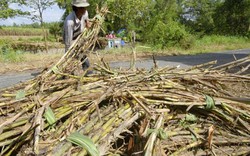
[[182, 61]]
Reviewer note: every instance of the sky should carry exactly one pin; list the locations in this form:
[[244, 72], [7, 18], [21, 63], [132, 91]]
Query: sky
[[51, 14]]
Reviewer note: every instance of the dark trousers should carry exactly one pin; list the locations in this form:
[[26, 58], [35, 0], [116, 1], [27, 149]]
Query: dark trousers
[[85, 62]]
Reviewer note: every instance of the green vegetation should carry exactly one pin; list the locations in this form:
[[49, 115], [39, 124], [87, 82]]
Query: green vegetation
[[20, 31], [212, 43], [176, 23], [166, 26], [219, 43], [6, 11], [7, 54]]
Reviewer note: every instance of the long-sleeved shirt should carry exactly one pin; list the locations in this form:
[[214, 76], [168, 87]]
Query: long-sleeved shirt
[[73, 27]]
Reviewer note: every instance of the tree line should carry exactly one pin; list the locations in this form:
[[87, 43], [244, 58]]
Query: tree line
[[161, 23]]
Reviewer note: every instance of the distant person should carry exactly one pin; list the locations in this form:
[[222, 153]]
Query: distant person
[[74, 25]]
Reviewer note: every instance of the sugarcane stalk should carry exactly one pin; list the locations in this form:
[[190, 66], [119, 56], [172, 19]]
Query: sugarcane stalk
[[110, 118], [105, 143], [38, 121], [232, 64], [243, 152], [202, 65], [192, 145], [26, 135], [9, 134], [108, 127], [11, 120], [152, 138], [144, 107]]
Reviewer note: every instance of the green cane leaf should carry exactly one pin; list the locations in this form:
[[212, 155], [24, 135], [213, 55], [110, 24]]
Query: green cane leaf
[[162, 134], [84, 142], [149, 131], [210, 102], [50, 116], [100, 18], [20, 94]]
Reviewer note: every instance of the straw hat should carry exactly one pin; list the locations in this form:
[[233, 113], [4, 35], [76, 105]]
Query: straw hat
[[80, 3]]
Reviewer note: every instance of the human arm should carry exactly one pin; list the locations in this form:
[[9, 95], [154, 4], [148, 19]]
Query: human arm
[[68, 34], [87, 23]]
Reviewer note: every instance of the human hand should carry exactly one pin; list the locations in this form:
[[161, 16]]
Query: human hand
[[88, 23]]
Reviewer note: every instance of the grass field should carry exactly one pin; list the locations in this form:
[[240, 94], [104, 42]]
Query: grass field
[[19, 31]]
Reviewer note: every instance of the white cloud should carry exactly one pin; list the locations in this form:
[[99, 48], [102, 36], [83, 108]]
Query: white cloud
[[52, 14]]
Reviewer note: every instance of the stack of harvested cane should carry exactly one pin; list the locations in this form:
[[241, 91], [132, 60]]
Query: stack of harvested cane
[[166, 111]]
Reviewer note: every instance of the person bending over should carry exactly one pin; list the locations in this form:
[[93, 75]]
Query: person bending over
[[74, 25]]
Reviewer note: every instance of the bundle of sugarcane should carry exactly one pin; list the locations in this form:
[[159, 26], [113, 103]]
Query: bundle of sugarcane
[[159, 112], [176, 107], [240, 66]]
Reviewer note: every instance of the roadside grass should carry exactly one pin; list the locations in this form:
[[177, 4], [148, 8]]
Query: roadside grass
[[215, 43]]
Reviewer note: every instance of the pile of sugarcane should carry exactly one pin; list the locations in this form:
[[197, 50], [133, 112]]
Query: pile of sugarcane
[[164, 111]]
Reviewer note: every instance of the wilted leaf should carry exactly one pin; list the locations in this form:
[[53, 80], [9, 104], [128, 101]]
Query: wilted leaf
[[210, 135], [50, 116], [190, 118], [20, 94], [84, 142], [143, 127]]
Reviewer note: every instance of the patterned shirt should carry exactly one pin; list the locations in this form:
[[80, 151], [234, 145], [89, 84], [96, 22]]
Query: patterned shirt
[[73, 27]]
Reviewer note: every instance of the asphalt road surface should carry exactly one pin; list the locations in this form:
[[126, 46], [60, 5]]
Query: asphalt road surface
[[183, 61]]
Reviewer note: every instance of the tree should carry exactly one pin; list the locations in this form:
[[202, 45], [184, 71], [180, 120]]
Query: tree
[[66, 5], [233, 17], [6, 11], [37, 9], [147, 18], [164, 28], [36, 14], [130, 14], [198, 15], [55, 29]]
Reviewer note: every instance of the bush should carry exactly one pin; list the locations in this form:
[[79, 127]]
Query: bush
[[169, 34]]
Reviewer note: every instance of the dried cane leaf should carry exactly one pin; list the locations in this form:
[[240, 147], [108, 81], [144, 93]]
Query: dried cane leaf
[[84, 142], [210, 135], [50, 116], [20, 94]]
